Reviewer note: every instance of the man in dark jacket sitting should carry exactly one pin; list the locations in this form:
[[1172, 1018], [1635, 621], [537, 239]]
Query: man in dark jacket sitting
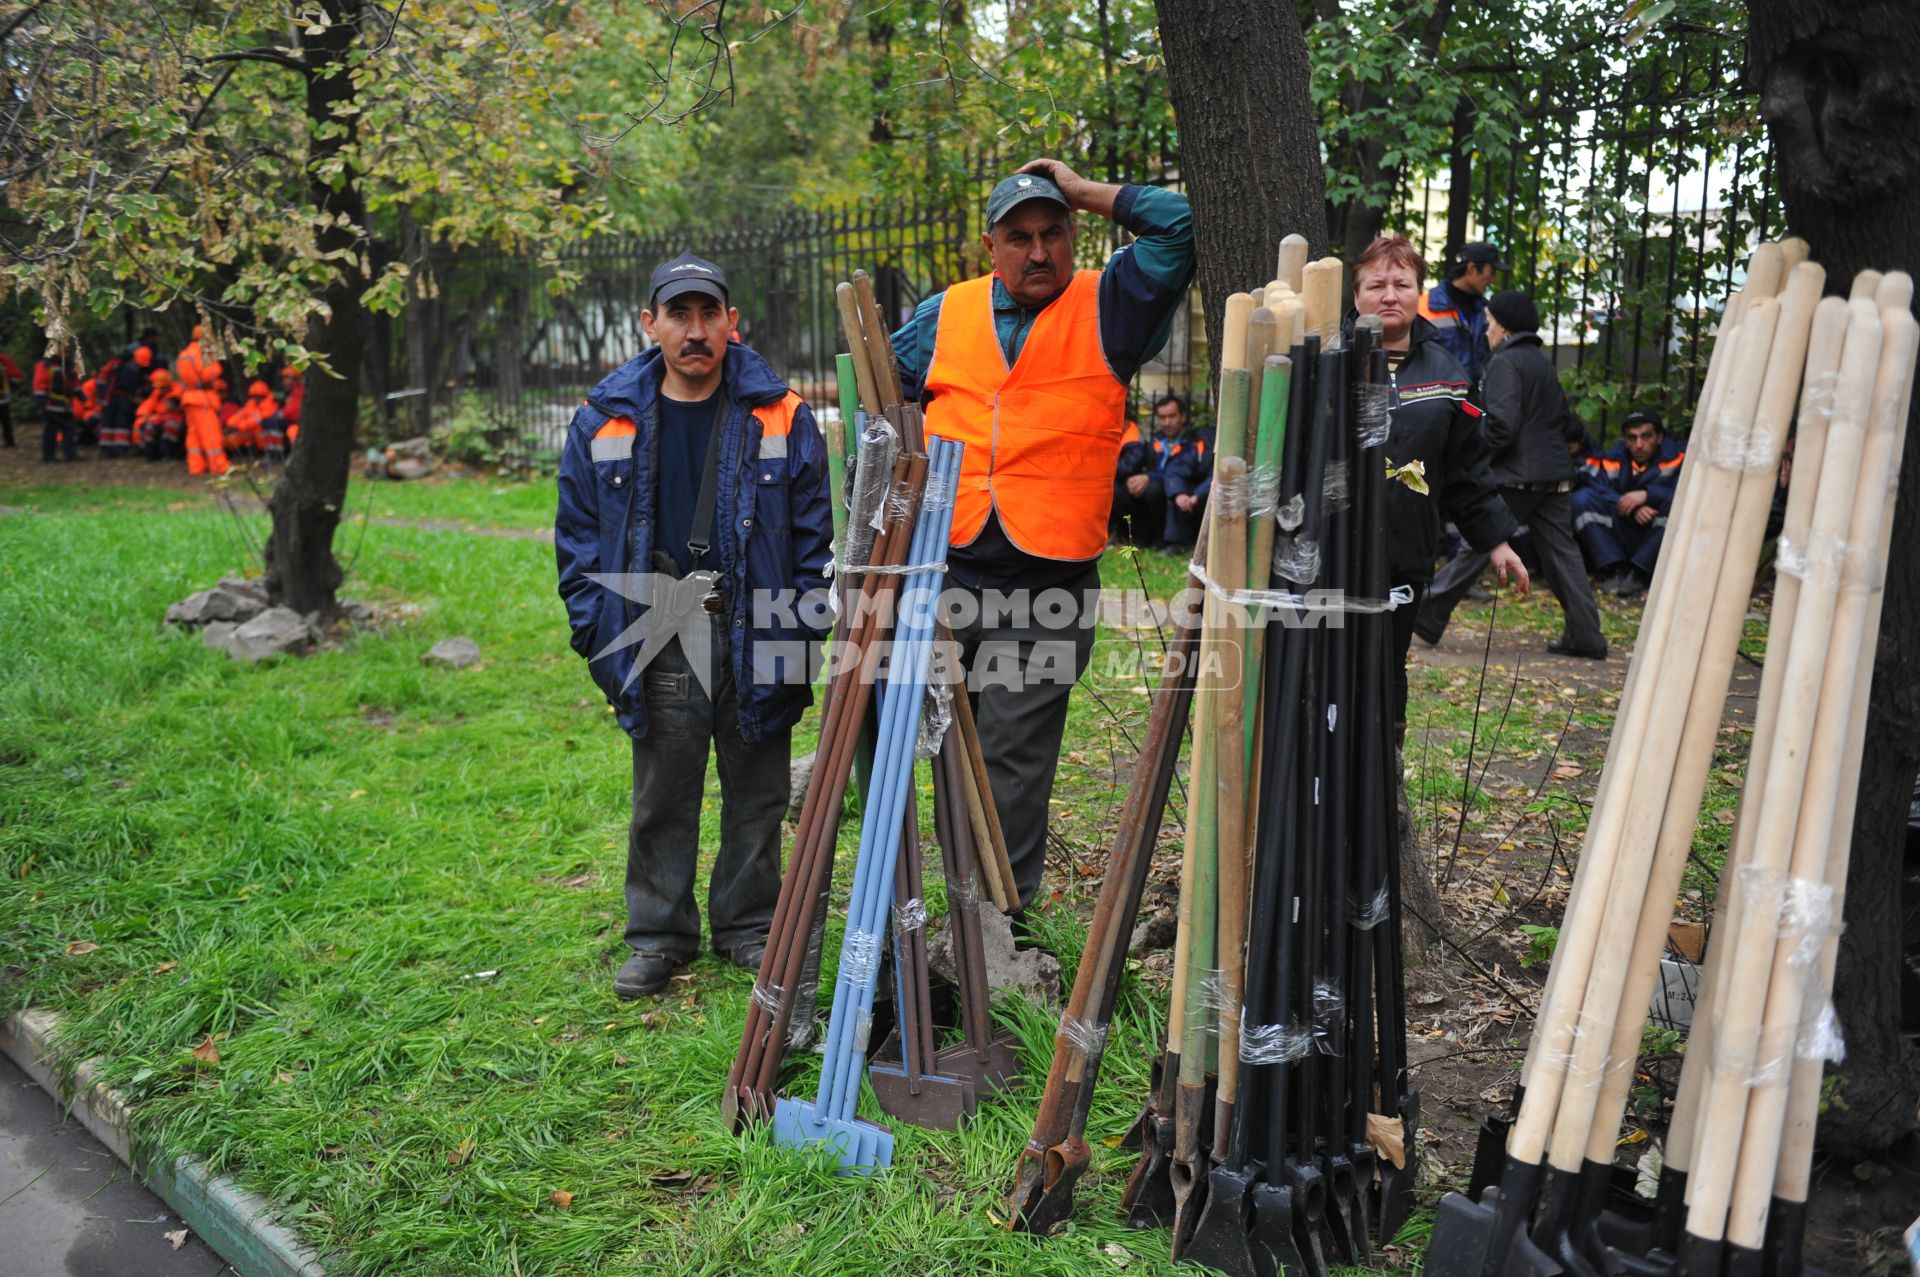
[[1144, 509], [1620, 509], [1527, 426], [692, 539]]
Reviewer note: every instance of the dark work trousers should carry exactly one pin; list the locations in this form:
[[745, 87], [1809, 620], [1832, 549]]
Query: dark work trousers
[[1548, 519], [1021, 666], [1140, 520], [1613, 540], [669, 785], [6, 420], [57, 425], [1403, 619]]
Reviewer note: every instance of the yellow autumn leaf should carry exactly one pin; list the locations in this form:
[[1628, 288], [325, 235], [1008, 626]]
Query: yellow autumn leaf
[[561, 1197], [1385, 1135]]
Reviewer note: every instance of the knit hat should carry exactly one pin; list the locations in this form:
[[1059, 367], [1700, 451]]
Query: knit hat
[[1515, 311]]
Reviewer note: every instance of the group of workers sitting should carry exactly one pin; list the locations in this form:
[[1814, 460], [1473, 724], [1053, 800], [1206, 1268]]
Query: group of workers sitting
[[1620, 495], [135, 404]]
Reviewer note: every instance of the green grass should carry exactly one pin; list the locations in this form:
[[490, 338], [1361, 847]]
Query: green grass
[[311, 863]]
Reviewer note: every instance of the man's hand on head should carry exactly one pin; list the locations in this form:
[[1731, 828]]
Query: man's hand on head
[[1082, 194]]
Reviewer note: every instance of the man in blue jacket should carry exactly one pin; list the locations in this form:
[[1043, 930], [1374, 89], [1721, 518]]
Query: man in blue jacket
[[1457, 309], [1146, 488], [1620, 509], [693, 539]]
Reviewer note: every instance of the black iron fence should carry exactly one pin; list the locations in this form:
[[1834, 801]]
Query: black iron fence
[[505, 347], [1626, 217]]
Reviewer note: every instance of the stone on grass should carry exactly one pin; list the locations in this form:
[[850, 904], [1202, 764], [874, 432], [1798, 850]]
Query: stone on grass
[[216, 633], [274, 631], [453, 653], [233, 599], [1032, 973], [799, 776]]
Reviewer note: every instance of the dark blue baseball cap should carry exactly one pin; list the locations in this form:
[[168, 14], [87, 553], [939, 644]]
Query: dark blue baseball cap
[[1017, 190], [686, 274]]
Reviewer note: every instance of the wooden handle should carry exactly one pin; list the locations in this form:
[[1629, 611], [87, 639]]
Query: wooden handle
[[1233, 332], [1322, 296], [849, 306], [1293, 262], [886, 375]]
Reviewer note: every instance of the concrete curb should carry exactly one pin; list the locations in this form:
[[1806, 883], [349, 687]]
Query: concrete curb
[[238, 1224]]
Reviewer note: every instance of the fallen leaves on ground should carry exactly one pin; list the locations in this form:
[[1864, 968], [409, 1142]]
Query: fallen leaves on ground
[[460, 1154], [79, 948], [208, 1052], [178, 1238], [1387, 1137], [165, 967], [562, 1198]]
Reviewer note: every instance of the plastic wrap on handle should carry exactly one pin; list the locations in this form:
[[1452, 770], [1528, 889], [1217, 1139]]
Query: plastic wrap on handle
[[872, 476]]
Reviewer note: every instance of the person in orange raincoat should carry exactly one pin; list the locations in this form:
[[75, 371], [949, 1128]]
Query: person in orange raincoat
[[88, 420], [200, 401], [245, 430], [159, 423]]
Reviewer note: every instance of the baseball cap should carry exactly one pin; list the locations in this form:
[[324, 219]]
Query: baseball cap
[[1017, 190], [685, 274], [1482, 254]]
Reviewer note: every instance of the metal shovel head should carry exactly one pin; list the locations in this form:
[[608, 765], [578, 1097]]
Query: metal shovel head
[[990, 1076], [1221, 1239], [936, 1103], [1148, 1201], [1489, 1155], [1345, 1217], [862, 1147], [1396, 1201], [1270, 1233], [1463, 1231], [1286, 1230], [1044, 1198]]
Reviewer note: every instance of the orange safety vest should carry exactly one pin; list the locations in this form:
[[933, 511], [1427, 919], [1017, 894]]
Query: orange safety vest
[[1043, 436], [196, 378]]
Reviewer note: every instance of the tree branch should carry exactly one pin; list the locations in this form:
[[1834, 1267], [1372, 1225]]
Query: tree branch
[[273, 56]]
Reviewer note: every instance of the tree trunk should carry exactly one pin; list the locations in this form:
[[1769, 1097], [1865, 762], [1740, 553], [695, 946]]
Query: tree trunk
[[1839, 96], [306, 507], [1237, 71]]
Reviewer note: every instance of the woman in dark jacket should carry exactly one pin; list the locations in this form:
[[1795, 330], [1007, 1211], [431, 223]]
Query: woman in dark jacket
[[1432, 423]]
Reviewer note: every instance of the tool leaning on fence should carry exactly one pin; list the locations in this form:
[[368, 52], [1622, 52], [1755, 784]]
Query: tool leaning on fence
[[1733, 1187]]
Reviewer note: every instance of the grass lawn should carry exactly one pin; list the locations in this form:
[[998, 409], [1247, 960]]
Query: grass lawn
[[345, 926]]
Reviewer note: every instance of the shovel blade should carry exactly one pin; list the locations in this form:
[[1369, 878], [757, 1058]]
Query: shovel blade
[[1148, 1201], [1280, 1245], [1221, 1239], [1396, 1201], [933, 1101], [1463, 1233], [861, 1147], [1044, 1199]]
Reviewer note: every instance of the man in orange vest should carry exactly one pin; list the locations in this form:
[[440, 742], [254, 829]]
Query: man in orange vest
[[1029, 367], [200, 400]]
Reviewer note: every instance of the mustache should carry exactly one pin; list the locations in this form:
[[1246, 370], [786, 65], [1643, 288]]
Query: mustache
[[1036, 270], [695, 348]]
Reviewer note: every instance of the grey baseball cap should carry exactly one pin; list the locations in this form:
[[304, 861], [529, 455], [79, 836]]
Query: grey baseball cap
[[686, 274], [1017, 190]]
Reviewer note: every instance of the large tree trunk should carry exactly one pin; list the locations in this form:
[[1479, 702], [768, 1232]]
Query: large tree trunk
[[1238, 75], [306, 507], [1839, 95]]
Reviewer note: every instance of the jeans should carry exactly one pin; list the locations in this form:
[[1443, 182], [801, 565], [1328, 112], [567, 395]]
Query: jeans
[[1021, 670], [669, 783]]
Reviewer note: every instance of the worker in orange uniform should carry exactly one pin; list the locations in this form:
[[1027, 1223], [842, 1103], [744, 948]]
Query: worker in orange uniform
[[159, 423], [246, 428], [274, 428], [200, 400], [1029, 367], [89, 420]]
